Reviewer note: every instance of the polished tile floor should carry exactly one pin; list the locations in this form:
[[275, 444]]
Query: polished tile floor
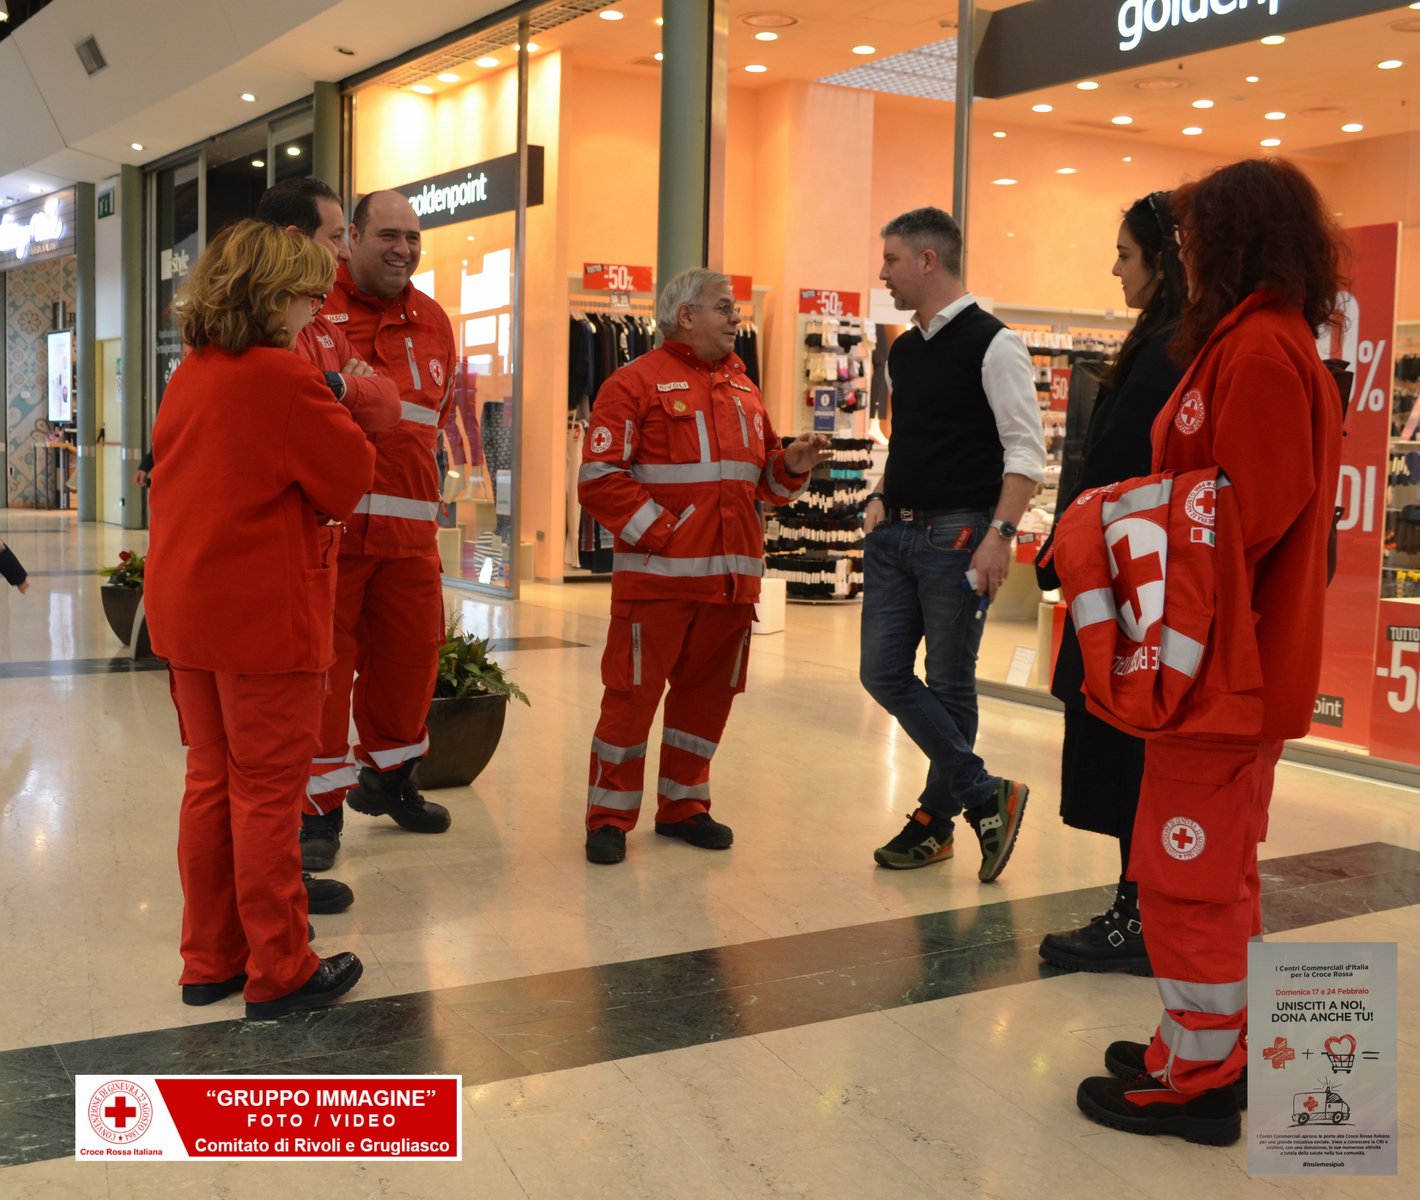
[[779, 1020]]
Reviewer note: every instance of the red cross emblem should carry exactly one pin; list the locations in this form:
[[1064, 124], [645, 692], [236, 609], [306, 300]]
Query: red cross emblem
[[1279, 1054], [1310, 1104], [1132, 574], [1183, 839], [121, 1111]]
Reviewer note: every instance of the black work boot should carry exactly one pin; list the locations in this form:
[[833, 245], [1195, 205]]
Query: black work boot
[[394, 794], [320, 838], [1112, 941]]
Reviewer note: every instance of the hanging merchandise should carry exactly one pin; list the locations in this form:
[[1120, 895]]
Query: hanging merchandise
[[816, 543]]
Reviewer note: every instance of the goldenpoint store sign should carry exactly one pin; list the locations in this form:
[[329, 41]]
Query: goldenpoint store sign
[[1137, 17]]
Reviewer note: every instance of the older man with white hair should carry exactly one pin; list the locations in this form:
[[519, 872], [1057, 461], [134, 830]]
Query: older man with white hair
[[678, 451]]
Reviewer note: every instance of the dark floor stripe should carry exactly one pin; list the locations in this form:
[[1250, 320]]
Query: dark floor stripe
[[514, 1027], [533, 643], [60, 668], [52, 574]]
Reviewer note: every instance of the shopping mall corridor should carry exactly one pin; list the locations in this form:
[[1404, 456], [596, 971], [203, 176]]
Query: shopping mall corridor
[[782, 1019]]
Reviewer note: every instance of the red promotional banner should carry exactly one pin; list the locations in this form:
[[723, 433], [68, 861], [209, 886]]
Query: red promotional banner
[[1059, 389], [321, 1117], [1343, 704], [742, 286], [614, 277], [1395, 704], [827, 303]]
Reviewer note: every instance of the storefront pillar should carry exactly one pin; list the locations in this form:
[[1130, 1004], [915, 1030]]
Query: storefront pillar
[[86, 427], [326, 135], [694, 100], [130, 347], [966, 78]]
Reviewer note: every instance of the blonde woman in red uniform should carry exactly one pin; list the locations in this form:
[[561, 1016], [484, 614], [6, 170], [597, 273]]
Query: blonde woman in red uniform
[[258, 457]]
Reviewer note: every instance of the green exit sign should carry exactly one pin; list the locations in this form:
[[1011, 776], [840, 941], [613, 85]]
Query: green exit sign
[[106, 203]]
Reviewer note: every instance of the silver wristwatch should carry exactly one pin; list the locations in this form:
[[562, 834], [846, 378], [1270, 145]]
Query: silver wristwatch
[[1005, 528]]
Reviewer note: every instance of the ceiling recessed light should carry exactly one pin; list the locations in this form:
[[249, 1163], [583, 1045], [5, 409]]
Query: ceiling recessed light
[[1273, 39], [1352, 127], [248, 97], [1270, 142], [1193, 130], [258, 163], [611, 14], [1253, 79], [660, 20], [1203, 104], [533, 47], [1003, 182], [1274, 116], [486, 61], [1088, 85], [293, 151], [658, 56], [1390, 64], [447, 77], [865, 49], [1042, 108], [999, 133], [1065, 170], [1121, 120], [756, 68], [766, 35], [1128, 158], [423, 89], [135, 145]]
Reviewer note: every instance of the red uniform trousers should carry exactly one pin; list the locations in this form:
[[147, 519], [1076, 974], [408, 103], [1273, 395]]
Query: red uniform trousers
[[249, 740], [388, 628], [703, 650], [1202, 811]]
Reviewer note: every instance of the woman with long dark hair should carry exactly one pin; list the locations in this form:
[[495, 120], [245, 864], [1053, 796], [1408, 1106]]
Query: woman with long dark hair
[[1257, 412], [1100, 766]]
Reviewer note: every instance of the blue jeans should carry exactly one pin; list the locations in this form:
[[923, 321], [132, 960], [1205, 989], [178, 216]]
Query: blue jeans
[[913, 589]]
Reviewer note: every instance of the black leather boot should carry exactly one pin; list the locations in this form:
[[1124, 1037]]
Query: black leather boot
[[395, 794], [320, 838], [1112, 941]]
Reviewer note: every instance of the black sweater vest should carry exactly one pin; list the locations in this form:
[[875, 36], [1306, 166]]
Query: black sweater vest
[[945, 451]]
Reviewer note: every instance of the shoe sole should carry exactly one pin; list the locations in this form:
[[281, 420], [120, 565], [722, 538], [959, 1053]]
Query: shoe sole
[[1096, 966], [271, 1010], [1121, 1069], [605, 860], [699, 845], [1200, 1132], [884, 859], [198, 995], [1012, 830]]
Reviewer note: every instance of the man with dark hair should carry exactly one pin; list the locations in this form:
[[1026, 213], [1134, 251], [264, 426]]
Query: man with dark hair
[[965, 456], [388, 604]]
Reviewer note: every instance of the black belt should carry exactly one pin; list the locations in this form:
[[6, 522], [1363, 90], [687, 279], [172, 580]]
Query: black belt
[[920, 516]]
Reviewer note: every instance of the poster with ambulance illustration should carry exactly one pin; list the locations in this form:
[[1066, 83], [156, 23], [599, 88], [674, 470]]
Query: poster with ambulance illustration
[[1322, 1042]]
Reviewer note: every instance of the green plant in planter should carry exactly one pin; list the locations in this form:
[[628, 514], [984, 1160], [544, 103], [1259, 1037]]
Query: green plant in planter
[[128, 573], [466, 670]]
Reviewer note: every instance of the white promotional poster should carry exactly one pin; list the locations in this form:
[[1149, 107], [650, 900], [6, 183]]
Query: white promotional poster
[[1322, 1041]]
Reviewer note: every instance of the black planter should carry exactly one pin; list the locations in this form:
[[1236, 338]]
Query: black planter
[[120, 607], [463, 734]]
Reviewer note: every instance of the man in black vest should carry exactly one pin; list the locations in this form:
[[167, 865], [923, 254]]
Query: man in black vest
[[965, 455]]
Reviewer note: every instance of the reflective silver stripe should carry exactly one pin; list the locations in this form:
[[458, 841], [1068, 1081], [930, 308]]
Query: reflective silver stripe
[[413, 366], [627, 441], [341, 759], [684, 517], [1179, 651], [418, 413], [1195, 1045], [739, 661], [672, 790], [744, 425], [398, 506], [708, 472], [1218, 998], [704, 433], [319, 785], [617, 754], [384, 759], [767, 475], [598, 470], [1090, 608], [688, 568], [635, 653], [1136, 501], [688, 741], [604, 798], [641, 520]]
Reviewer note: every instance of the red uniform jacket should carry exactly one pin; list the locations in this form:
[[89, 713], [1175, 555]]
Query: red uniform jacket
[[409, 340], [255, 452], [677, 453], [373, 400]]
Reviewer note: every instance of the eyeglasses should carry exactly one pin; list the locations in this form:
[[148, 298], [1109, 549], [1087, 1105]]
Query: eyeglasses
[[1180, 235], [317, 302], [724, 308]]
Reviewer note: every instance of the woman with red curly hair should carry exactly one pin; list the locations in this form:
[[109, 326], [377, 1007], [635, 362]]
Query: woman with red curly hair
[[1262, 257]]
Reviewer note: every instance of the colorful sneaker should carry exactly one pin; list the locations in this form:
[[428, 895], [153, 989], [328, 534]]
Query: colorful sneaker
[[996, 823], [1124, 1060], [1144, 1105], [926, 839]]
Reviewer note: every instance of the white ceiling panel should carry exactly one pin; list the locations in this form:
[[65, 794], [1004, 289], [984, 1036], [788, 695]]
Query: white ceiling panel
[[28, 132]]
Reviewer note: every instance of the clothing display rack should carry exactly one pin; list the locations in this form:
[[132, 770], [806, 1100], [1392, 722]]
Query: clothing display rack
[[1400, 565], [815, 544]]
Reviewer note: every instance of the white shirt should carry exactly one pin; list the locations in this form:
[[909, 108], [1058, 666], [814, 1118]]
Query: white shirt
[[1008, 378]]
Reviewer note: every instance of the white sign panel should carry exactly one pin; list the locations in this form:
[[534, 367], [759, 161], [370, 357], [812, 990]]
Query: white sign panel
[[1322, 1058]]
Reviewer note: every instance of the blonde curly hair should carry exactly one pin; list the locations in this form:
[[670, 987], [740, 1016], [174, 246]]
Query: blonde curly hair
[[240, 288]]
